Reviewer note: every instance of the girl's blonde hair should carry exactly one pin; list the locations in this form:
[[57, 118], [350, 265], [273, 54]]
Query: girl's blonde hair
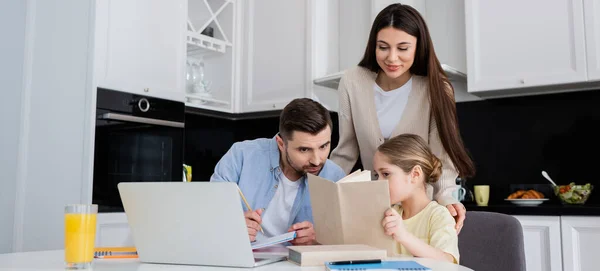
[[407, 151]]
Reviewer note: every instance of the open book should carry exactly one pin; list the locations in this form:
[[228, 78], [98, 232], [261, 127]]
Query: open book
[[350, 211]]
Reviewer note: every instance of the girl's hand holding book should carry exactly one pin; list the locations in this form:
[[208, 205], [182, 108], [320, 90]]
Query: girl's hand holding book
[[393, 225]]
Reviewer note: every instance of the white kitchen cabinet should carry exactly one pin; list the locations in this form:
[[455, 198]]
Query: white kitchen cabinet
[[261, 59], [580, 238], [592, 37], [141, 46], [274, 63], [113, 230], [515, 44], [542, 242]]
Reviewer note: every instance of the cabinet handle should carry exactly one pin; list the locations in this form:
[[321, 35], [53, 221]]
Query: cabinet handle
[[146, 90]]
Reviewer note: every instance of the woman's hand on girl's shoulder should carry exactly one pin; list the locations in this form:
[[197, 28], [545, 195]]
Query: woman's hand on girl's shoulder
[[459, 212], [393, 225]]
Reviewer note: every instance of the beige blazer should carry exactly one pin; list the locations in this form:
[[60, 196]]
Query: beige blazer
[[360, 133]]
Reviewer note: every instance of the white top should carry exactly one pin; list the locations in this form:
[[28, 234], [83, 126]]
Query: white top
[[390, 105], [277, 215], [53, 261]]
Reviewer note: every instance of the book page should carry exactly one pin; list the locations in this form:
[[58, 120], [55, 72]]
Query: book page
[[357, 176]]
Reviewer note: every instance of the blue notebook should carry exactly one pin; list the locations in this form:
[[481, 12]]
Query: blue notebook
[[385, 265]]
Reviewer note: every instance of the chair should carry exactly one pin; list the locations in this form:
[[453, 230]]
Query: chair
[[491, 242]]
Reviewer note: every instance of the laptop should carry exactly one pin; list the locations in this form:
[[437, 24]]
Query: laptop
[[196, 223]]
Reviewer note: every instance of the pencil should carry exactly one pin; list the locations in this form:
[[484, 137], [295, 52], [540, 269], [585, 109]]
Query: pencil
[[248, 206]]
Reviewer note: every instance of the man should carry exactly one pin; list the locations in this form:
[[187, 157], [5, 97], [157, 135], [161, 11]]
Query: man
[[272, 172]]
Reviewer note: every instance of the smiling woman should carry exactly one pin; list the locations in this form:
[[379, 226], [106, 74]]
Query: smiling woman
[[399, 87]]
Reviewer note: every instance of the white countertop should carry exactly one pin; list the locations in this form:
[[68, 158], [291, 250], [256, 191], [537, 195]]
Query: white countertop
[[53, 260]]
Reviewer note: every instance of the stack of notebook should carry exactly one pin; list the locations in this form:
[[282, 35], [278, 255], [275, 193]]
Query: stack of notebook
[[386, 265], [115, 252]]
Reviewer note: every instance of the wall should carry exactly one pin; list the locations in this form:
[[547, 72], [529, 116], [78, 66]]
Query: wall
[[55, 111], [513, 139], [12, 27]]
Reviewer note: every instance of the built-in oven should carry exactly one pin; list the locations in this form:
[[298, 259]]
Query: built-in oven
[[138, 139]]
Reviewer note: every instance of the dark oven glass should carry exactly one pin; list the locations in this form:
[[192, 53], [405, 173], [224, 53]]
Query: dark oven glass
[[135, 146]]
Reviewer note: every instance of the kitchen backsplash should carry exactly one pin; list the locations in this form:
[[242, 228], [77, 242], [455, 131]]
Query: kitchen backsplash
[[511, 140]]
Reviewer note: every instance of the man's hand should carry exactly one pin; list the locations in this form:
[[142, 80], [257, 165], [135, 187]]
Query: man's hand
[[253, 221], [305, 234], [393, 225], [459, 212]]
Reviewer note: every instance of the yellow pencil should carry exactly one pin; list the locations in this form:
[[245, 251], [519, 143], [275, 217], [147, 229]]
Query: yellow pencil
[[248, 206]]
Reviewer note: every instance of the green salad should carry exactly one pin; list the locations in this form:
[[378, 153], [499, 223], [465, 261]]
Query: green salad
[[572, 193]]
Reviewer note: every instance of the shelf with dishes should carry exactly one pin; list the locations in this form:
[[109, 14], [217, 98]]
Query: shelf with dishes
[[210, 54], [200, 89]]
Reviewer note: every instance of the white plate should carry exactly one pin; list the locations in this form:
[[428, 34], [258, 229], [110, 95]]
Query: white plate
[[527, 202]]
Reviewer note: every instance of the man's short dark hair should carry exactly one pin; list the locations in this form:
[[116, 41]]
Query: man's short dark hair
[[304, 115]]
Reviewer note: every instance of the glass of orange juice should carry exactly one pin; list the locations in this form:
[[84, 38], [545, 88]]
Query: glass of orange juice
[[80, 234]]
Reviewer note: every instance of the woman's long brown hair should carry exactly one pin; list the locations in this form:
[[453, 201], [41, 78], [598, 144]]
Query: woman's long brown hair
[[441, 92]]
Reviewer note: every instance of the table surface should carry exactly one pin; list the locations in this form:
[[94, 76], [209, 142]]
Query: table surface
[[53, 260]]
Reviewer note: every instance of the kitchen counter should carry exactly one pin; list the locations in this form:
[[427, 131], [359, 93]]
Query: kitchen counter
[[546, 209]]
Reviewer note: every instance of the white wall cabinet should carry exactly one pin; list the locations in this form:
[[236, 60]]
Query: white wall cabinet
[[542, 242], [141, 46], [262, 60], [275, 61], [113, 231], [509, 48], [592, 37], [580, 238]]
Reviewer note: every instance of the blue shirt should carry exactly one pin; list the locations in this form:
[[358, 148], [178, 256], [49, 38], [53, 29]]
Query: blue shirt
[[254, 166]]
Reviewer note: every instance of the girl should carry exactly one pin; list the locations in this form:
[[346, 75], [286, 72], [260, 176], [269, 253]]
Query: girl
[[422, 227], [399, 87]]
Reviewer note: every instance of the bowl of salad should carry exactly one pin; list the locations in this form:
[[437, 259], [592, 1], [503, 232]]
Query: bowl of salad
[[573, 193]]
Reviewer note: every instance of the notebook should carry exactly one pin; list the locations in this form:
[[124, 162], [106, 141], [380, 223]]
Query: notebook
[[385, 265], [319, 255], [274, 240], [106, 252]]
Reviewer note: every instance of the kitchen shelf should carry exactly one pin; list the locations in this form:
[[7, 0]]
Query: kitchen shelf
[[203, 14], [190, 97], [199, 45], [210, 106], [211, 40]]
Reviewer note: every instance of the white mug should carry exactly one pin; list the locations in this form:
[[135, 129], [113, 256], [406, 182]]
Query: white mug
[[459, 193]]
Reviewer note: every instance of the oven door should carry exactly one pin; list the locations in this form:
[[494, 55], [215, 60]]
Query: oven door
[[134, 149]]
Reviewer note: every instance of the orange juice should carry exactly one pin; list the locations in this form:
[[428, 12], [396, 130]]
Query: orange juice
[[80, 232]]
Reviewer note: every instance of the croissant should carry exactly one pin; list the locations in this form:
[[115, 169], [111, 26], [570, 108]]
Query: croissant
[[538, 195], [532, 194], [523, 194], [517, 194]]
